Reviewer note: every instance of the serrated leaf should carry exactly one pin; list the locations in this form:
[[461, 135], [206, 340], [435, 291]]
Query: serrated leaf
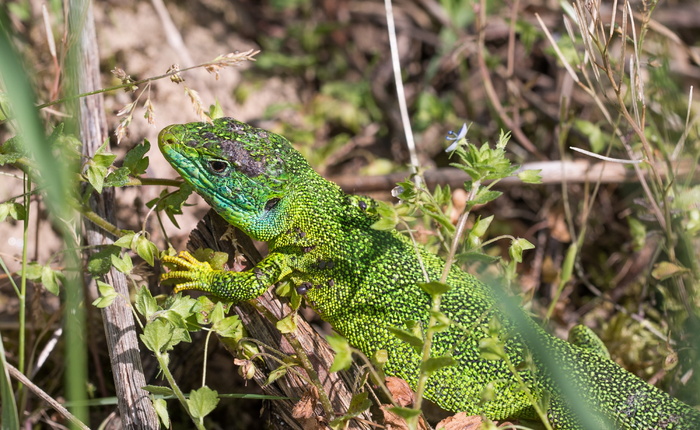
[[343, 352], [229, 327], [145, 304], [135, 159], [202, 402], [434, 288], [117, 178], [217, 314], [436, 363], [157, 336], [484, 196], [287, 324]]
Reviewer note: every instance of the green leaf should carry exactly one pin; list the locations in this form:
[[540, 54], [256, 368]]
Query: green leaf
[[530, 176], [276, 374], [415, 341], [217, 314], [442, 322], [33, 271], [161, 407], [216, 111], [100, 262], [436, 363], [146, 249], [117, 178], [229, 327], [49, 278], [434, 288], [287, 324], [103, 160], [107, 295], [95, 175], [491, 348], [517, 247], [126, 240], [343, 352], [665, 270], [406, 413], [202, 402], [388, 217], [157, 336], [13, 210], [145, 304], [481, 225], [484, 196], [123, 264], [159, 390], [135, 159]]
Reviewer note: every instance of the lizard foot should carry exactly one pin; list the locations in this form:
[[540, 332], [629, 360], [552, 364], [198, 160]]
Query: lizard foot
[[196, 274]]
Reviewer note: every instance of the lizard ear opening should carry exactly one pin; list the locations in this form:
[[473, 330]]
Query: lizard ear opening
[[271, 203]]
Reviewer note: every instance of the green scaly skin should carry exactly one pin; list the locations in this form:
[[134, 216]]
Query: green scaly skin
[[363, 281]]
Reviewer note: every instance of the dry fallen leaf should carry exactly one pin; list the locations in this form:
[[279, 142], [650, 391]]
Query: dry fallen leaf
[[402, 393]]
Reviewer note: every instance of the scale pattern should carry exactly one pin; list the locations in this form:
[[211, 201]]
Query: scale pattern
[[363, 281]]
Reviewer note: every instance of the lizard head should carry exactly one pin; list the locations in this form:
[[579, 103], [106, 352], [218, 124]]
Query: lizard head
[[245, 173]]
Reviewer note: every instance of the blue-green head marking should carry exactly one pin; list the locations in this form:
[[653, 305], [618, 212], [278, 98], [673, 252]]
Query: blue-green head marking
[[245, 173]]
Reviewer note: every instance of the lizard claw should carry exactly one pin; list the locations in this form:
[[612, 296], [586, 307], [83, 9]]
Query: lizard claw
[[196, 274]]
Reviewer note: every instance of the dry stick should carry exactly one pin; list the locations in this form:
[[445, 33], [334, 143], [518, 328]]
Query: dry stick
[[135, 407], [45, 397]]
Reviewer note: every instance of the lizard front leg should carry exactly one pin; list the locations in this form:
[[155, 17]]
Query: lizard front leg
[[233, 286]]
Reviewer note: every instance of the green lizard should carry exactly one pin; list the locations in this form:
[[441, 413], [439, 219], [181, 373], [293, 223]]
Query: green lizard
[[364, 281]]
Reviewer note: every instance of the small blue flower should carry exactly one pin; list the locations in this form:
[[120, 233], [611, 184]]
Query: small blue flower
[[456, 137]]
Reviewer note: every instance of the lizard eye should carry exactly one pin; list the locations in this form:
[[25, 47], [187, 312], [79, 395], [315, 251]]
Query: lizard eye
[[218, 166], [271, 203]]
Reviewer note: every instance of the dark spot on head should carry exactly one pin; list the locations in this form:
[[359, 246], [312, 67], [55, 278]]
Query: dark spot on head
[[236, 152], [330, 264], [331, 282], [363, 205], [262, 134], [308, 248], [209, 135], [303, 288]]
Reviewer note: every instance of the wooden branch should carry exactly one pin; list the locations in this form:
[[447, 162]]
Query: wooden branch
[[135, 407], [553, 172]]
